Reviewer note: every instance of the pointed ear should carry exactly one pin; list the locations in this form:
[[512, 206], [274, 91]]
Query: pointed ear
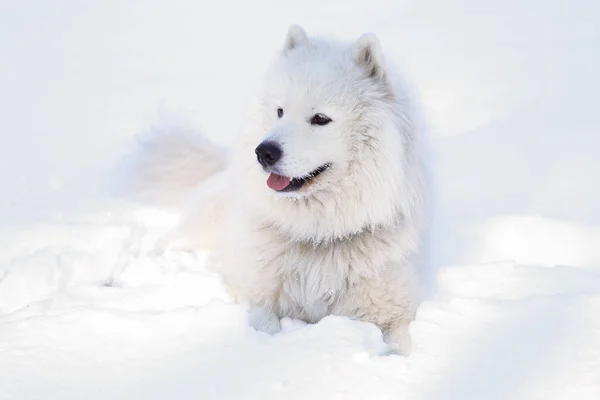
[[295, 37], [367, 54]]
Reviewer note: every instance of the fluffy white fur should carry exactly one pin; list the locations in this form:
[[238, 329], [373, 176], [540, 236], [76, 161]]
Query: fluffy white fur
[[349, 243]]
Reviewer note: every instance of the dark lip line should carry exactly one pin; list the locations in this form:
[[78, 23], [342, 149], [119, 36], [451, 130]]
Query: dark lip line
[[297, 183]]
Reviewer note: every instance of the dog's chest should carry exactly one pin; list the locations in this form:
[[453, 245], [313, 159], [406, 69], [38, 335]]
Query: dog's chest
[[312, 279]]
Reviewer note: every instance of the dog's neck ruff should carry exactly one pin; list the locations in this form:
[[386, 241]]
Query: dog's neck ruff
[[367, 230]]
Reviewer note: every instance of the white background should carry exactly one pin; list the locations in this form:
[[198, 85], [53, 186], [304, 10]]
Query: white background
[[509, 89]]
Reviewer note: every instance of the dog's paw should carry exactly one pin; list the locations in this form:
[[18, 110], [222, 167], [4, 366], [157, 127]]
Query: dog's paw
[[263, 320], [398, 339]]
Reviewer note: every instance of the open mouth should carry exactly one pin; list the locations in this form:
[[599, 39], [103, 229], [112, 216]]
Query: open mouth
[[281, 183]]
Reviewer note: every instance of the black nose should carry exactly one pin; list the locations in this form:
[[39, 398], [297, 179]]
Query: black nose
[[268, 153]]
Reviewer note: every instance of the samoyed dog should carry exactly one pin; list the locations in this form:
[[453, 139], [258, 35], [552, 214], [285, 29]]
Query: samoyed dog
[[320, 207]]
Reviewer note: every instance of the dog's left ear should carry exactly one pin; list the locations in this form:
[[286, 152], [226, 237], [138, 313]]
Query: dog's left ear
[[296, 36], [367, 54]]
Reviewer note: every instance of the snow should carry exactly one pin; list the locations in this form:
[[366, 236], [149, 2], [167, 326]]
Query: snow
[[90, 309]]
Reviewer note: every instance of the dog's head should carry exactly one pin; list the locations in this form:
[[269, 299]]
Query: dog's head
[[330, 132]]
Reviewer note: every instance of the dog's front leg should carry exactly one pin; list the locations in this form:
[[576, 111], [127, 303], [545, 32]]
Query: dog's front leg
[[398, 338], [263, 320]]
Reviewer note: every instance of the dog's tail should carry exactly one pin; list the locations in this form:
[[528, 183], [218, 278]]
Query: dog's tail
[[169, 163]]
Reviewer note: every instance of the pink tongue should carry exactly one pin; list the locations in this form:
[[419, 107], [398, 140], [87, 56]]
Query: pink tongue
[[278, 182]]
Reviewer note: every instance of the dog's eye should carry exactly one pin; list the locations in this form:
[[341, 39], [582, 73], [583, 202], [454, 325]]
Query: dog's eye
[[320, 119], [280, 112]]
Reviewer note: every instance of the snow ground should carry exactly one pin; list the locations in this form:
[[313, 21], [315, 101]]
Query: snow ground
[[89, 310]]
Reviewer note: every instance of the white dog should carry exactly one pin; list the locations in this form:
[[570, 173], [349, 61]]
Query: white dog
[[320, 208]]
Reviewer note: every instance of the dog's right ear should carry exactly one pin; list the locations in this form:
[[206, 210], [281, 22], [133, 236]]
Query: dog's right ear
[[367, 54], [296, 36]]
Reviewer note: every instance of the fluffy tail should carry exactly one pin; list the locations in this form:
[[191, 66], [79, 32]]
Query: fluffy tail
[[170, 162]]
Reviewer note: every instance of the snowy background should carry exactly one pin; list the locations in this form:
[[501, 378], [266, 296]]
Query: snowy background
[[87, 310]]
